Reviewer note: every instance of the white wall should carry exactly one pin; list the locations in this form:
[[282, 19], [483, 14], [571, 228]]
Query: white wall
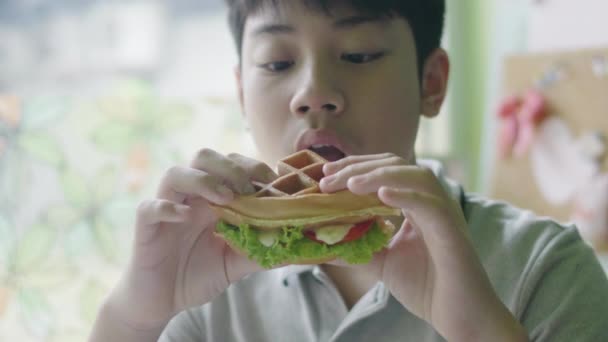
[[520, 26], [567, 24]]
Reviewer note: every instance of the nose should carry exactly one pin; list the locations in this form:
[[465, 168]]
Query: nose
[[317, 95]]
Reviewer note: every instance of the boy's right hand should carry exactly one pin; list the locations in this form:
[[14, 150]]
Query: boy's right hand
[[177, 262]]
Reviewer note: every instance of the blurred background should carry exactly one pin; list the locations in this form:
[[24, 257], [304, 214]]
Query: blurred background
[[99, 98]]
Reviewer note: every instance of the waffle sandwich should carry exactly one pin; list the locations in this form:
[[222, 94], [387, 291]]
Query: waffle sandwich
[[290, 221]]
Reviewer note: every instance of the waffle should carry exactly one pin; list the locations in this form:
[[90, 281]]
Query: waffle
[[299, 174], [295, 199], [273, 225]]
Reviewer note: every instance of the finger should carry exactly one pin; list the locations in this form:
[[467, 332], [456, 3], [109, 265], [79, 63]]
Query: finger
[[220, 166], [182, 182], [402, 177], [255, 169], [151, 213], [435, 218], [156, 211], [338, 180], [238, 266], [333, 167]]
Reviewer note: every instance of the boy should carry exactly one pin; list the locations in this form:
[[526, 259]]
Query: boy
[[350, 79]]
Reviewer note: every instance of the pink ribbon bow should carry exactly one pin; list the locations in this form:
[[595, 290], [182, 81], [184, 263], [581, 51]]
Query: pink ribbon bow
[[519, 119]]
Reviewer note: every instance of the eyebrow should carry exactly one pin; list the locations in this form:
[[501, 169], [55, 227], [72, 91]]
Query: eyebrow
[[340, 24], [357, 20], [273, 29]]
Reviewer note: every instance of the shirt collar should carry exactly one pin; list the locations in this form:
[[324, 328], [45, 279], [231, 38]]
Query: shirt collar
[[291, 270]]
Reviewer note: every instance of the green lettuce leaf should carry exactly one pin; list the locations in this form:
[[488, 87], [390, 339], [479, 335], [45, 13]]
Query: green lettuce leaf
[[291, 245]]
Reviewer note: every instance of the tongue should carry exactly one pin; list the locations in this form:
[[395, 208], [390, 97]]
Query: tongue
[[329, 152]]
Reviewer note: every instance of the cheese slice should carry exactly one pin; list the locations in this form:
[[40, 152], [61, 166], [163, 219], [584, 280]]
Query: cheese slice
[[268, 238], [332, 234]]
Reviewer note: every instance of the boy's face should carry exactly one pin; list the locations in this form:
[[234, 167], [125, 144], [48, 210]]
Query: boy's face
[[345, 80]]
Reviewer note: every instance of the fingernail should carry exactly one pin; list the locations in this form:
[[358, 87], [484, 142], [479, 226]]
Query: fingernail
[[386, 191], [224, 191], [358, 179], [327, 168], [328, 180]]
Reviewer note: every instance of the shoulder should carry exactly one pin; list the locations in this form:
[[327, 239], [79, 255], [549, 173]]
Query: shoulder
[[542, 270], [507, 236], [497, 223]]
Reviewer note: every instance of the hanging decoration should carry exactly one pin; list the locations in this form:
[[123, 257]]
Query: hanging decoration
[[519, 119], [553, 139]]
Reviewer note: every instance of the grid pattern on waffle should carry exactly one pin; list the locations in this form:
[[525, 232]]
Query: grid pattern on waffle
[[299, 174]]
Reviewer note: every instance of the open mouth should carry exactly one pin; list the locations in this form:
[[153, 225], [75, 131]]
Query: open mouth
[[329, 152]]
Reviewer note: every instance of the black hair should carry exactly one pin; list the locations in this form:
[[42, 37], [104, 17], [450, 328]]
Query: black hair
[[425, 17]]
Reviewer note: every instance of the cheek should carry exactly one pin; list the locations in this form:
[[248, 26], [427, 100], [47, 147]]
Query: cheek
[[387, 113], [388, 100], [261, 102], [266, 111], [263, 95], [401, 114]]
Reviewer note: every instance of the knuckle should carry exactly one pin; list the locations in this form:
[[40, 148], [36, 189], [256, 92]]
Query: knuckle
[[395, 160], [163, 206], [347, 160], [234, 156], [171, 172], [238, 163], [350, 169], [236, 169], [206, 180], [382, 171], [260, 168], [205, 153], [156, 206], [395, 169], [340, 163], [145, 207]]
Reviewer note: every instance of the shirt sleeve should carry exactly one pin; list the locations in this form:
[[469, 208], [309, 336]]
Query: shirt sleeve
[[187, 326], [566, 292]]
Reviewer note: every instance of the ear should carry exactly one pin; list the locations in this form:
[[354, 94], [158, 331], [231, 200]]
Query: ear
[[435, 76], [239, 86]]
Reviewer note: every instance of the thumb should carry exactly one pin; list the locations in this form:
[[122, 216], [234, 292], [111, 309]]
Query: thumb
[[405, 233], [237, 266]]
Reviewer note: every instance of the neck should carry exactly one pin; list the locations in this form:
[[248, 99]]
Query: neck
[[351, 283]]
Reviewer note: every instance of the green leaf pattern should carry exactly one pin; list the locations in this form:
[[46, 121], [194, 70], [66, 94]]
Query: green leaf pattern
[[71, 177]]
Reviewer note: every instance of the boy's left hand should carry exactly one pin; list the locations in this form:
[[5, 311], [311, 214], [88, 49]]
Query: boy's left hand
[[430, 265]]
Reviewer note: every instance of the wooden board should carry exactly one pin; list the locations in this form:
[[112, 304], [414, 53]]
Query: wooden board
[[580, 99]]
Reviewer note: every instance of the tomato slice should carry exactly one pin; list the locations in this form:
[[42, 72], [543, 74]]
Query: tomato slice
[[356, 232]]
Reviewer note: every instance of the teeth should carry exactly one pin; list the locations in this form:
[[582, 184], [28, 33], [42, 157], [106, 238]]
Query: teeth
[[320, 146]]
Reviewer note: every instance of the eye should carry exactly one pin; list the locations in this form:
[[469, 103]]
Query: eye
[[277, 66], [362, 58]]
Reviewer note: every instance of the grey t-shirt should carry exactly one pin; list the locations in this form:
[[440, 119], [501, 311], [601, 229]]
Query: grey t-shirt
[[543, 272]]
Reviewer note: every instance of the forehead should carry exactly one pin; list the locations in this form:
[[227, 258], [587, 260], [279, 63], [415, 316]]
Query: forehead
[[292, 17], [289, 11], [327, 7]]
